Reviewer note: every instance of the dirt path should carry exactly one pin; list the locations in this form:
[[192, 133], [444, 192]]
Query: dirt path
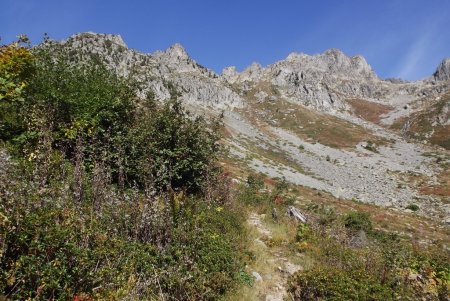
[[273, 262]]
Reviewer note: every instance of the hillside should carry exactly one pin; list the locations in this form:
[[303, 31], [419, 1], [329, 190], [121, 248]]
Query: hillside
[[319, 103], [192, 159]]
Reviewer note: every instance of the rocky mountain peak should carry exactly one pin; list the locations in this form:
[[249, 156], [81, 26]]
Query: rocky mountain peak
[[253, 72], [322, 81], [335, 54], [336, 61], [295, 56], [177, 59], [443, 70], [332, 62], [230, 74], [89, 37], [177, 52]]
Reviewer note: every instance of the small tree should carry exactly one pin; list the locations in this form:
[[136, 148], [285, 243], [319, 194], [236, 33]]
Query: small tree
[[174, 148], [16, 69]]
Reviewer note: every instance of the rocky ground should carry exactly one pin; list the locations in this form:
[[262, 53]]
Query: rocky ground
[[273, 262], [361, 174], [325, 83]]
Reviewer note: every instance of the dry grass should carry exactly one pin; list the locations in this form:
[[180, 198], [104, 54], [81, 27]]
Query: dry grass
[[367, 110], [409, 225], [308, 124], [269, 253], [422, 122], [441, 189], [441, 136]]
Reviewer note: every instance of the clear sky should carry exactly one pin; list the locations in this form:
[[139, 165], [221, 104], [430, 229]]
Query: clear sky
[[399, 38]]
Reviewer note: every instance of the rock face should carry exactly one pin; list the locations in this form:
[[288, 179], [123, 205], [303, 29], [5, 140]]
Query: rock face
[[156, 72], [443, 71], [318, 81], [323, 81]]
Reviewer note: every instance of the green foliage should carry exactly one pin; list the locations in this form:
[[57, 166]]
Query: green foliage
[[255, 182], [335, 285], [42, 258], [326, 215], [388, 269], [55, 248], [357, 220], [281, 186], [303, 232], [16, 68], [250, 193], [111, 197], [173, 148], [78, 99], [413, 207], [246, 278], [85, 103]]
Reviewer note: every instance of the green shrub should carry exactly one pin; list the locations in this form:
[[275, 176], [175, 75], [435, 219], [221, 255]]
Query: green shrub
[[326, 215], [333, 284], [16, 69], [390, 269], [250, 193], [60, 250], [303, 232], [255, 182], [105, 201], [413, 207], [173, 148], [356, 221]]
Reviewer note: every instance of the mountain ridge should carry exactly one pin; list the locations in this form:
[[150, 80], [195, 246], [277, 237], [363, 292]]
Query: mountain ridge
[[321, 81], [443, 67], [317, 104]]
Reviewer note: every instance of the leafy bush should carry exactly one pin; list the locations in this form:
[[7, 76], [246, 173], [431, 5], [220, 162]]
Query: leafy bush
[[357, 220], [330, 283], [303, 232], [83, 102], [55, 248], [413, 207], [389, 269], [16, 68], [172, 147], [90, 114], [251, 193], [105, 201]]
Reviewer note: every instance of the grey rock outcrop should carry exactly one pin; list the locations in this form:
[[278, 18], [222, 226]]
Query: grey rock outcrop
[[443, 71], [325, 81], [318, 80], [156, 72], [442, 117]]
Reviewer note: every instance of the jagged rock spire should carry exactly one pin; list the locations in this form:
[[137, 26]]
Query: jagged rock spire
[[443, 70]]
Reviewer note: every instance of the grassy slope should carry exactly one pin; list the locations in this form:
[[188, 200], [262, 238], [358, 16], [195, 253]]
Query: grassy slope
[[422, 123], [281, 247], [333, 132], [308, 124], [368, 110]]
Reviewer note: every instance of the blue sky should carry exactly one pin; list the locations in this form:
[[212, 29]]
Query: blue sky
[[399, 38]]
